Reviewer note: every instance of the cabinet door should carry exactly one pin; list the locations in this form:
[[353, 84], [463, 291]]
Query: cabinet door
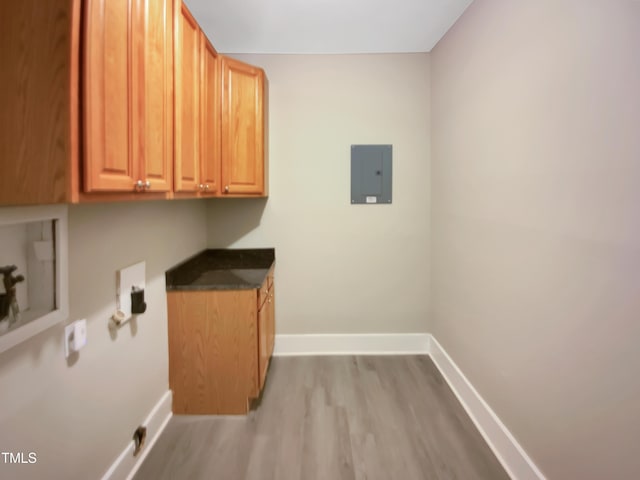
[[212, 350], [210, 119], [109, 163], [157, 150], [187, 101], [271, 321], [243, 159], [38, 101], [263, 345]]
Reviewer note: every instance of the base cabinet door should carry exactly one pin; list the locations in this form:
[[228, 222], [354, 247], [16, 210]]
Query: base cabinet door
[[263, 343], [213, 362], [271, 321], [266, 328]]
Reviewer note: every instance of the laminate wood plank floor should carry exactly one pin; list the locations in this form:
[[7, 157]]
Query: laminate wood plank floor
[[333, 418]]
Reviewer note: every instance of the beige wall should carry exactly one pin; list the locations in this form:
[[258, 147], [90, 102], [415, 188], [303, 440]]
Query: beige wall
[[341, 268], [536, 224], [78, 417]]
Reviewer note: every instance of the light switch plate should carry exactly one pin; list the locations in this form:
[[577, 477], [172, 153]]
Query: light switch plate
[[126, 279]]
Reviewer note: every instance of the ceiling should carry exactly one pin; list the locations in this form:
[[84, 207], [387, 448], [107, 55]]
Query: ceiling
[[326, 26]]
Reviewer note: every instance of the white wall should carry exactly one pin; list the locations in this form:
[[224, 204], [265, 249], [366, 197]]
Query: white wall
[[536, 224], [79, 416], [341, 268]]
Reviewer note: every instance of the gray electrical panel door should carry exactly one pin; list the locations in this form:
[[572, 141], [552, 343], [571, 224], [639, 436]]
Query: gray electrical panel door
[[371, 174]]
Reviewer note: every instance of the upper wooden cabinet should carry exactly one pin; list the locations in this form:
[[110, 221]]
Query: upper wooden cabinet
[[128, 96], [38, 101], [197, 102], [91, 110], [244, 129]]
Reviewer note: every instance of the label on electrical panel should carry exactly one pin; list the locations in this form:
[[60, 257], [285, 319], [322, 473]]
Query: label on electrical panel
[[371, 199]]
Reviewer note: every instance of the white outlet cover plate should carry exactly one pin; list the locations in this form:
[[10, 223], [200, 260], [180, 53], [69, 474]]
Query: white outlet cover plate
[[126, 278], [75, 336]]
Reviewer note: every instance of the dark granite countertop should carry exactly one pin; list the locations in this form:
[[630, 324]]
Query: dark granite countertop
[[222, 269]]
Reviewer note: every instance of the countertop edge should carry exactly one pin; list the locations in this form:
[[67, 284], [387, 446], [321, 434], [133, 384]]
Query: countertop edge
[[181, 278]]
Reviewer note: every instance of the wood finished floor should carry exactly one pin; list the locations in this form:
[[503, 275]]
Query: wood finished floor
[[333, 418]]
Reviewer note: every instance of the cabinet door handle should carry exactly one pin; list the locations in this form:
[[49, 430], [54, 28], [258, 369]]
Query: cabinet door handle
[[139, 185], [226, 189], [147, 185], [200, 187], [206, 187]]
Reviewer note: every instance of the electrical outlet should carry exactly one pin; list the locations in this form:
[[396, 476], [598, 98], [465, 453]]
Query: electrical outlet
[[75, 337]]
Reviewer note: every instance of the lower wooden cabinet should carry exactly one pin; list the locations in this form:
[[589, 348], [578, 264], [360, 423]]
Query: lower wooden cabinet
[[220, 343]]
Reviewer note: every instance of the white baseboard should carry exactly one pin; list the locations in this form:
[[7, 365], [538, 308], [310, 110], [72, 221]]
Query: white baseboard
[[505, 447], [126, 465], [352, 344]]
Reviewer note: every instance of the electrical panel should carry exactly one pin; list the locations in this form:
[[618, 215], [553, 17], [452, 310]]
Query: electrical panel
[[371, 174]]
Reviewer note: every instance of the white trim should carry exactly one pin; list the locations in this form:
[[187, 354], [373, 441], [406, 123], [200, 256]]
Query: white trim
[[352, 344], [126, 465], [506, 448]]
